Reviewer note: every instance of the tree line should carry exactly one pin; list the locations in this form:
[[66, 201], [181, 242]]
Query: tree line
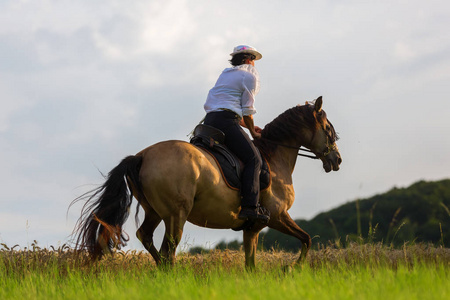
[[419, 213]]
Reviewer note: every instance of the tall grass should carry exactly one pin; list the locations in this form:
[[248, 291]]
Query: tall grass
[[369, 271]]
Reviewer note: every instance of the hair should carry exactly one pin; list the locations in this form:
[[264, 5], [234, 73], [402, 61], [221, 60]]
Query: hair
[[241, 58]]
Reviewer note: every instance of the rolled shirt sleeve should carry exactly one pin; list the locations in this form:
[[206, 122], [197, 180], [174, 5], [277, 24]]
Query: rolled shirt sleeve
[[250, 84]]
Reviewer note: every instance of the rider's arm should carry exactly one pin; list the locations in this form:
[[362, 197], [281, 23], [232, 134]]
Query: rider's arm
[[250, 87], [248, 123]]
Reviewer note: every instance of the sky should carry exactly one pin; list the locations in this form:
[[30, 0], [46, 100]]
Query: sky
[[85, 83]]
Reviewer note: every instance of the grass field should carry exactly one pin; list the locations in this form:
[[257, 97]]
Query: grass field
[[369, 271]]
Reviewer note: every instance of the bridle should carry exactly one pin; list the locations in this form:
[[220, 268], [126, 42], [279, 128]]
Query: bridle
[[330, 147], [327, 151]]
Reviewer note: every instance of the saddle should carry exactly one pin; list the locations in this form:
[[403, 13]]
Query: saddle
[[212, 140]]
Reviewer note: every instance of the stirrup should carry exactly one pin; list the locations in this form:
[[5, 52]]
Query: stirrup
[[259, 214]]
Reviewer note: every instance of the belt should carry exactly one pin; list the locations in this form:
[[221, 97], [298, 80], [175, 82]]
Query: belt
[[229, 110]]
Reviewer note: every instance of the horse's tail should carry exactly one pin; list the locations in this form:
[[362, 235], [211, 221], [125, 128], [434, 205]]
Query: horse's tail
[[99, 228]]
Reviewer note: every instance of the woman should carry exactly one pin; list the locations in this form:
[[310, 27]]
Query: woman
[[230, 105]]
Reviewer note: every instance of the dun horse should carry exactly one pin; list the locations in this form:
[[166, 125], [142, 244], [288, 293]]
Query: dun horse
[[175, 182]]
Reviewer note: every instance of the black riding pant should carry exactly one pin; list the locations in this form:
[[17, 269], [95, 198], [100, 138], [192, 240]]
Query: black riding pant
[[240, 144]]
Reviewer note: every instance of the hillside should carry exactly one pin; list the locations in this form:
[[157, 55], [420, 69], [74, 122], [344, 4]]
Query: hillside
[[418, 213]]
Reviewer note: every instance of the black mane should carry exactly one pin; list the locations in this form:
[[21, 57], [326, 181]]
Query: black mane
[[286, 127]]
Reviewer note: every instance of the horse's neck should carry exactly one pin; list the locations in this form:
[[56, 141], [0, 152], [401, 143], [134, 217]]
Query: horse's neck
[[283, 162], [282, 165]]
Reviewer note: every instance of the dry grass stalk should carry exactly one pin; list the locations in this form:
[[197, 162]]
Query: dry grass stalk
[[64, 259]]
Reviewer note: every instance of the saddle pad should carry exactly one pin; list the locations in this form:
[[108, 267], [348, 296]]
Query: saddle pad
[[229, 169]]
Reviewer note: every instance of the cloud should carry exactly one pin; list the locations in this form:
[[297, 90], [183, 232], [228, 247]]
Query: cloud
[[83, 84]]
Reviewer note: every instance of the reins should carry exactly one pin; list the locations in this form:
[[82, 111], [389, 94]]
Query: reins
[[305, 155], [294, 147]]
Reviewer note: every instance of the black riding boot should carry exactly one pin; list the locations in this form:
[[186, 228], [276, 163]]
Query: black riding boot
[[256, 214]]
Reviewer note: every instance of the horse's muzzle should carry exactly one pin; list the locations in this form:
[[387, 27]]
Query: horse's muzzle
[[332, 161]]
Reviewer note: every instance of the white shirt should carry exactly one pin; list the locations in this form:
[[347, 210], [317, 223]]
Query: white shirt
[[235, 90]]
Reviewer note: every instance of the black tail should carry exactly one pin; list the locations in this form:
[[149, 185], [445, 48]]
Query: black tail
[[99, 228]]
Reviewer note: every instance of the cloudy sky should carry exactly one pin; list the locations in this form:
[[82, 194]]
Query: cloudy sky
[[85, 83]]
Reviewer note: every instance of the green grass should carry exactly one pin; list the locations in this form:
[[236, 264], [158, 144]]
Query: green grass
[[357, 272]]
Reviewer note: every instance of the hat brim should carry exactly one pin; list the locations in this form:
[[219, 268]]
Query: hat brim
[[254, 52]]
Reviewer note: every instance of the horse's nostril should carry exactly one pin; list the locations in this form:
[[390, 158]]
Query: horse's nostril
[[339, 160]]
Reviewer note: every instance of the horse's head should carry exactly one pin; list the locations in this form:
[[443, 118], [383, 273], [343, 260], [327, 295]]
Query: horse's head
[[305, 125], [323, 139]]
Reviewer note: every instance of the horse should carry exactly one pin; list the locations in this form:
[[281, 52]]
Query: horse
[[175, 181]]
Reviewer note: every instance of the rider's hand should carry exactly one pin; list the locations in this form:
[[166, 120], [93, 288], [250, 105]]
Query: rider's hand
[[256, 135]]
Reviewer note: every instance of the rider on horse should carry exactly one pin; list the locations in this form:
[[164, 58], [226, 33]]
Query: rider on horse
[[230, 105]]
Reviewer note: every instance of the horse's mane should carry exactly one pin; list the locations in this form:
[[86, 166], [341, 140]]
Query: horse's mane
[[287, 126]]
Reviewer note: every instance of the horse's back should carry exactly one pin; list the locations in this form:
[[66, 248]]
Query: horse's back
[[171, 161]]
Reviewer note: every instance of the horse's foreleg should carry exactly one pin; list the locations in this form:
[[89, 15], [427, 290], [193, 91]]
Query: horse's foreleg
[[145, 233], [250, 245], [285, 224]]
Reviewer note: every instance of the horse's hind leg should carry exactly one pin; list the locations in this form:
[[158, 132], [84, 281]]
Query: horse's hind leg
[[285, 224], [145, 233], [172, 237]]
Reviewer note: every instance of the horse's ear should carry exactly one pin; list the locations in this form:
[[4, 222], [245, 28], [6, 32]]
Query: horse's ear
[[318, 104]]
